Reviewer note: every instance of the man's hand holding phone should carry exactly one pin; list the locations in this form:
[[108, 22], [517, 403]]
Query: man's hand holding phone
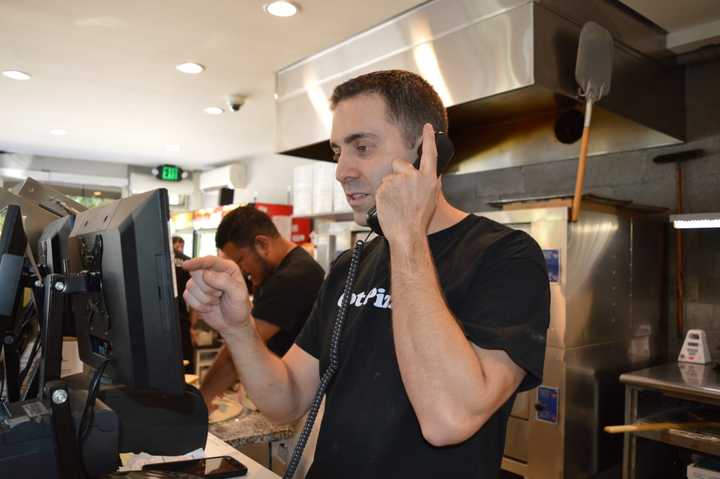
[[407, 197], [217, 290]]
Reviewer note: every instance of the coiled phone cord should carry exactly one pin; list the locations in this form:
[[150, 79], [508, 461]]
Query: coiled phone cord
[[334, 361]]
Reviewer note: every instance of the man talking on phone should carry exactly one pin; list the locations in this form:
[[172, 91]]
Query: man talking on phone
[[447, 318]]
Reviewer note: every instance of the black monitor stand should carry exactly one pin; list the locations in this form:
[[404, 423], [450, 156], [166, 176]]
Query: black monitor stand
[[147, 418], [58, 290], [12, 272], [48, 443]]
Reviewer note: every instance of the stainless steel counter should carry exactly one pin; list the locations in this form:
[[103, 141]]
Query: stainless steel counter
[[696, 382], [660, 391]]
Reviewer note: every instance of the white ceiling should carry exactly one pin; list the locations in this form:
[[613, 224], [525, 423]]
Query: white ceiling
[[105, 71]]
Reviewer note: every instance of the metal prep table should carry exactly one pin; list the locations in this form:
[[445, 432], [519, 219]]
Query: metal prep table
[[647, 391]]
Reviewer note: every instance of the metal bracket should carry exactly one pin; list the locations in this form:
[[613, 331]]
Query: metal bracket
[[67, 452]]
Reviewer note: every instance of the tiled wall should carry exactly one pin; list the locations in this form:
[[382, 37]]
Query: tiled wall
[[634, 176]]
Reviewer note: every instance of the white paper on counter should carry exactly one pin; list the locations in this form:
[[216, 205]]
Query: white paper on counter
[[135, 462]]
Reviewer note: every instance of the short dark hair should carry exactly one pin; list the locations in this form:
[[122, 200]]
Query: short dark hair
[[177, 239], [410, 100], [242, 225]]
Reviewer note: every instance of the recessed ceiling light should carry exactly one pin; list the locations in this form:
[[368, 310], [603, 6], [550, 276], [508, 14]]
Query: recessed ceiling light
[[191, 68], [281, 8], [172, 148], [16, 75], [58, 132], [213, 110]]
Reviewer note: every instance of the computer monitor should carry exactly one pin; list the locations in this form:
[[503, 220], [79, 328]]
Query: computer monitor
[[59, 254], [56, 250], [47, 197], [34, 218], [13, 332], [131, 317], [12, 256]]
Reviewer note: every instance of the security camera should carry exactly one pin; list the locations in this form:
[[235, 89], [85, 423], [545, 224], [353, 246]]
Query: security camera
[[235, 102]]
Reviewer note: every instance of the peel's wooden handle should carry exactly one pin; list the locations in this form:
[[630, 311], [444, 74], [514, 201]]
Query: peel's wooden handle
[[580, 177], [657, 426]]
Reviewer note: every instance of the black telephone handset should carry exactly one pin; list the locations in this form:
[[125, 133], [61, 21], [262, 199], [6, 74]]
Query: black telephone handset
[[445, 152]]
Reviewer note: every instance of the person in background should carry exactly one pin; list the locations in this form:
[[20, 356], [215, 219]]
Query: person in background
[[447, 320], [179, 249], [182, 277], [285, 280]]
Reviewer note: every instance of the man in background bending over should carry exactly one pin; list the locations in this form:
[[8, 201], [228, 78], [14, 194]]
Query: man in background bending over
[[285, 280]]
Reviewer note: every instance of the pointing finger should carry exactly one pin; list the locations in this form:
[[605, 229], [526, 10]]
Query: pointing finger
[[211, 263], [236, 289], [196, 305], [198, 282]]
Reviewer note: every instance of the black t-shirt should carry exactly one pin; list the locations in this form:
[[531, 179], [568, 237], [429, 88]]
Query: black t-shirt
[[495, 283], [182, 277], [285, 299]]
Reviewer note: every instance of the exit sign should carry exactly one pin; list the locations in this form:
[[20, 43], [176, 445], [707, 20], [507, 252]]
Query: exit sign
[[169, 173]]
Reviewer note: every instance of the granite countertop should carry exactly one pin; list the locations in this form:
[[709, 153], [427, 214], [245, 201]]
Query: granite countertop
[[250, 427]]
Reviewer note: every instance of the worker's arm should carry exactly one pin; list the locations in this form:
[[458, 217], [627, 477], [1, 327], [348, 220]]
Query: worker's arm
[[222, 375], [281, 388], [454, 386]]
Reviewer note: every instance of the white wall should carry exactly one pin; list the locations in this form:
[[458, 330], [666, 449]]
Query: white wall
[[63, 170], [269, 180], [63, 165]]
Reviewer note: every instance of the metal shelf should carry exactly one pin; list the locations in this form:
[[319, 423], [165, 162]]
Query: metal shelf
[[707, 445]]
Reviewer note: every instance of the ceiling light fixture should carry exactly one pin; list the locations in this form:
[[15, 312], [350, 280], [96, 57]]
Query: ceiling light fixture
[[695, 220], [190, 68], [282, 8], [16, 75], [58, 132], [214, 110]]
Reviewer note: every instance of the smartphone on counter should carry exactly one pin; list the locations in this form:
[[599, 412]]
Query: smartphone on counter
[[210, 467]]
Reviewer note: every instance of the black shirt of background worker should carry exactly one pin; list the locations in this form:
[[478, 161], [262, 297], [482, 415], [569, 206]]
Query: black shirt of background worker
[[286, 297], [182, 277], [495, 283]]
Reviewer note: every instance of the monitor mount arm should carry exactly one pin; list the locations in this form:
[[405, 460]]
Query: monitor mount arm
[[58, 290]]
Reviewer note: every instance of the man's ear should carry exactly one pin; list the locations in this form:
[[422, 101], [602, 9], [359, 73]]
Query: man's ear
[[262, 245], [414, 155]]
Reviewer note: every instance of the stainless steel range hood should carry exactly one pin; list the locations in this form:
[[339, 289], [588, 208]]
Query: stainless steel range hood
[[505, 70]]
